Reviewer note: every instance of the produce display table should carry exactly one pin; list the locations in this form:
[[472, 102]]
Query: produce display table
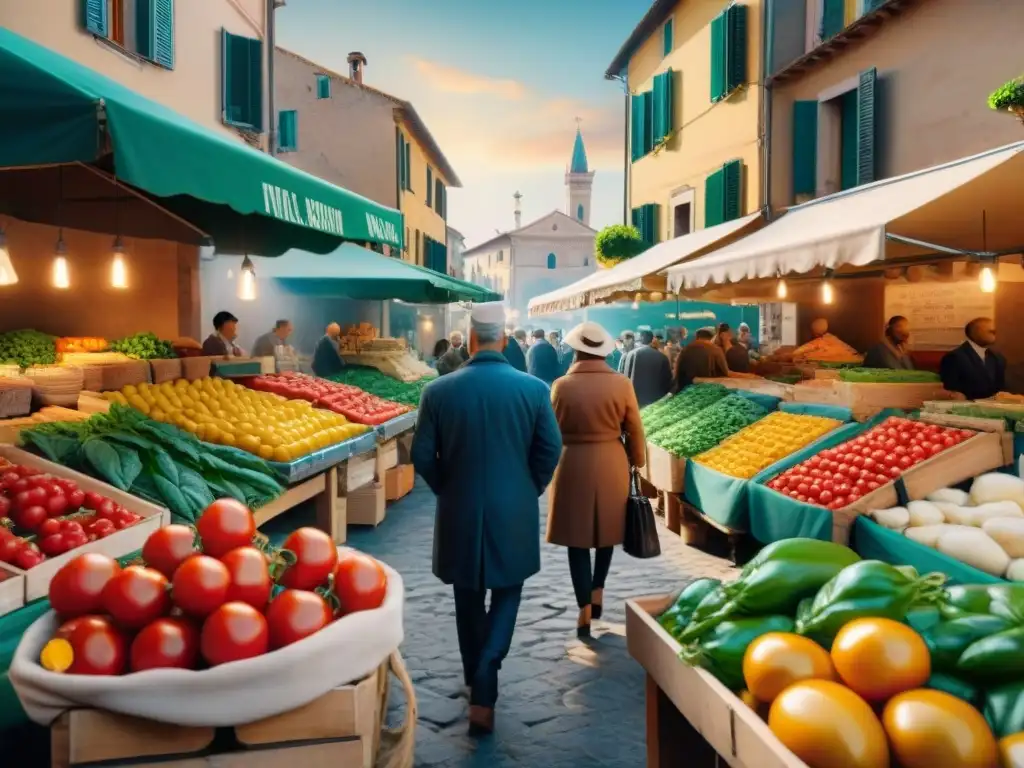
[[397, 426], [692, 719]]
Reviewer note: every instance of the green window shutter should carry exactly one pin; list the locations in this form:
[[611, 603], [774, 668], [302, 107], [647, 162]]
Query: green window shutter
[[848, 140], [714, 199], [736, 47], [430, 188], [399, 158], [439, 193], [732, 175], [648, 121], [833, 19], [94, 16], [255, 78], [650, 234], [805, 147], [634, 219], [718, 46], [669, 104], [666, 38], [408, 166], [658, 119], [154, 29], [323, 86], [242, 86], [867, 95], [636, 128], [288, 131]]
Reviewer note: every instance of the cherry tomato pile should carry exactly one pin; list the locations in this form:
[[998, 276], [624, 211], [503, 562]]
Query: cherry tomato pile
[[206, 597], [351, 402], [837, 477], [39, 504]]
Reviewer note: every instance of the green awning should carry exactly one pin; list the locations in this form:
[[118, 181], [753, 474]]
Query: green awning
[[353, 272], [56, 111]]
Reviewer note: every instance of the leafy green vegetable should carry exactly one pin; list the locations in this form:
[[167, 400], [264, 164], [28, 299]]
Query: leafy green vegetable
[[887, 376], [669, 411], [105, 461], [28, 348], [709, 426], [380, 384], [143, 346]]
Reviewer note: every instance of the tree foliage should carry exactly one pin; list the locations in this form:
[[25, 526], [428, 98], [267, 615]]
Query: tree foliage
[[1009, 96], [617, 243]]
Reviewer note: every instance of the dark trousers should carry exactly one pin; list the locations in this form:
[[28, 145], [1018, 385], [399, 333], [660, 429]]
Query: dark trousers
[[585, 580], [485, 636]]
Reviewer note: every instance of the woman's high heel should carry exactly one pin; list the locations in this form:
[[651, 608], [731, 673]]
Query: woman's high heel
[[583, 622], [596, 603]]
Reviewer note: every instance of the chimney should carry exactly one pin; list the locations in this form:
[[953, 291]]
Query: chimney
[[356, 62], [518, 210]]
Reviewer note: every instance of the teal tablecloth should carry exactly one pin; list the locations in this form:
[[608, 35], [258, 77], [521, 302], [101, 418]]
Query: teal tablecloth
[[12, 627], [873, 542], [837, 412]]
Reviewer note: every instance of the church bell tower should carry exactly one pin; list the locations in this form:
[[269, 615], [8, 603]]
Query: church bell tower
[[579, 180]]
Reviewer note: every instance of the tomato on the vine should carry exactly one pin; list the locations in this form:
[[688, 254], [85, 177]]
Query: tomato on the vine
[[295, 614], [168, 547], [360, 583], [77, 588], [315, 557], [97, 647], [200, 585], [225, 525], [233, 632], [136, 596], [250, 576], [167, 643]]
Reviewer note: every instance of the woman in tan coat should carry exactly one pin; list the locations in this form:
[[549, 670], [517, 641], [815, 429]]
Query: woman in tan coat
[[595, 407]]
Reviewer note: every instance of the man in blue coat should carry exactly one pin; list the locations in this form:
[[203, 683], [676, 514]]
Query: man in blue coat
[[487, 444], [542, 359], [514, 354]]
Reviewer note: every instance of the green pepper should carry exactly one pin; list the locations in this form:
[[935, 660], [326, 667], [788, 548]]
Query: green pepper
[[921, 618], [682, 608], [969, 598], [805, 550], [948, 640], [1006, 600], [868, 588], [721, 650], [954, 686], [997, 658], [1004, 709]]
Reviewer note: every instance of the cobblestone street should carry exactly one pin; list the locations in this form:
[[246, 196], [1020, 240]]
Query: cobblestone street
[[562, 702]]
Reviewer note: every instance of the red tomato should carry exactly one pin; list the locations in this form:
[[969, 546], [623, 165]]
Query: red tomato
[[295, 614], [233, 632], [30, 517], [76, 499], [360, 583], [167, 643], [225, 525], [250, 577], [200, 585], [77, 588], [315, 558], [97, 646], [136, 596], [56, 505], [168, 547]]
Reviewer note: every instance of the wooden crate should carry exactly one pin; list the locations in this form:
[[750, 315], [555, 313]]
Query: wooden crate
[[866, 400], [165, 370], [118, 544], [398, 482], [195, 368], [758, 385], [387, 457], [12, 588], [341, 728], [367, 505], [692, 719], [665, 471]]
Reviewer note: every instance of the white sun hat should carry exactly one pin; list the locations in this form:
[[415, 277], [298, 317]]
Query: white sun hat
[[591, 338]]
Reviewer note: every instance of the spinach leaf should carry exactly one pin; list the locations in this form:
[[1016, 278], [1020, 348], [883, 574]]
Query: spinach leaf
[[105, 461]]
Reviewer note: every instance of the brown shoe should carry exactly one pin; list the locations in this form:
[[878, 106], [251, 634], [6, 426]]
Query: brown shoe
[[481, 719], [583, 622], [596, 603]]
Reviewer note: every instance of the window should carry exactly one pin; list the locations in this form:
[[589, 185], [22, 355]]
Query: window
[[805, 150], [323, 86], [501, 256], [579, 211], [408, 166], [242, 86], [288, 131], [846, 138], [144, 27], [651, 121], [418, 252], [666, 38], [681, 216], [645, 219], [552, 261], [430, 187], [586, 261], [662, 107], [440, 199], [435, 255], [728, 51], [406, 240], [723, 194]]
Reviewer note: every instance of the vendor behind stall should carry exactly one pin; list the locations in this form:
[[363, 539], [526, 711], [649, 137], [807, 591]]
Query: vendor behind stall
[[327, 359], [974, 369], [221, 343], [736, 355], [891, 351], [700, 359]]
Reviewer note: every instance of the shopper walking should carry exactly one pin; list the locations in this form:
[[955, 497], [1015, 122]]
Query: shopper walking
[[595, 408], [487, 444], [628, 339], [649, 371], [542, 359], [514, 354], [456, 355]]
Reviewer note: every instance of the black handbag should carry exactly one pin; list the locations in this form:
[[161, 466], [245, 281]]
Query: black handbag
[[641, 539]]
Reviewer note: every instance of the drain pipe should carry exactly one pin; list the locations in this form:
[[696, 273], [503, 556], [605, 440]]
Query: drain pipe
[[271, 37], [625, 150], [767, 32]]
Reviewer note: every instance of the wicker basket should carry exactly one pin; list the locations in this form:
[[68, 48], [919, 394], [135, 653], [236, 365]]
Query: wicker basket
[[15, 397], [10, 371], [56, 384], [105, 378], [194, 368], [165, 370]]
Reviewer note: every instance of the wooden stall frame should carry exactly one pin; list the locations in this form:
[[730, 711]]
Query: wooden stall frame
[[12, 589], [665, 471], [330, 516]]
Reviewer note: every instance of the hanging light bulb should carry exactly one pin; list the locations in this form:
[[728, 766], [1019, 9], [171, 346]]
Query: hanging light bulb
[[781, 291], [118, 267], [987, 279], [7, 274], [636, 301], [247, 281], [827, 294], [61, 273]]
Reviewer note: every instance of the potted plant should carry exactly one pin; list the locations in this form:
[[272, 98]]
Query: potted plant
[[618, 242], [1009, 97]]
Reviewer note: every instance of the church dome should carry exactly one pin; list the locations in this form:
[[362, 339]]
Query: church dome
[[579, 155]]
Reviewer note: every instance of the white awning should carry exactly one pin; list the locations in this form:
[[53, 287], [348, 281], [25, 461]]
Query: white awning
[[971, 204], [629, 275]]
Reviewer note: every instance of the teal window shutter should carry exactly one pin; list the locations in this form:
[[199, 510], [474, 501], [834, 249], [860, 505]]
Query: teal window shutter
[[288, 131], [399, 160], [736, 47], [242, 86], [867, 99], [833, 19], [636, 128], [848, 140], [552, 261], [658, 120], [430, 188], [870, 5], [408, 166], [648, 121], [323, 86], [94, 16], [650, 221], [154, 29], [714, 199], [718, 46], [666, 38], [579, 212], [805, 147], [732, 183], [255, 81], [439, 197], [669, 104], [634, 218]]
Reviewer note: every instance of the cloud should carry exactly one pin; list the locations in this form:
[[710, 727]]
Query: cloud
[[453, 80]]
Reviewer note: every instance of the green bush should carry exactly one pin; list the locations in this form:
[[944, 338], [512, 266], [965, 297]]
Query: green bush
[[1008, 96], [617, 243]]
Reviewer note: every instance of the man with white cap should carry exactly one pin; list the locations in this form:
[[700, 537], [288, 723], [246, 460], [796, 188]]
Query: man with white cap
[[487, 444]]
